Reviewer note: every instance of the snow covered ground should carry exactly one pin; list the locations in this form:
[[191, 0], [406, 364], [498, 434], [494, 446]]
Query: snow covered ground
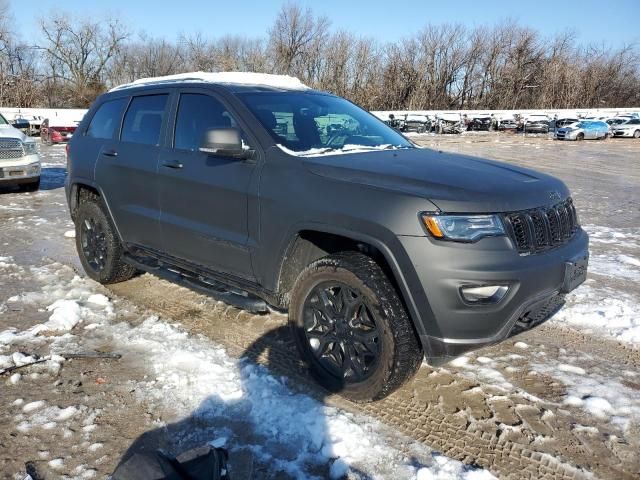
[[603, 305], [195, 377]]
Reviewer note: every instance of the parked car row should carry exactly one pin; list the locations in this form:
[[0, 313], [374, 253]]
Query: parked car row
[[50, 130], [575, 129], [569, 128]]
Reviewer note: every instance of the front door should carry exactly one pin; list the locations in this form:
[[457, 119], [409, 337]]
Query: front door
[[204, 197]]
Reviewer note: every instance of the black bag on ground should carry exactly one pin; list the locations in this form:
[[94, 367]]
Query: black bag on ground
[[202, 463]]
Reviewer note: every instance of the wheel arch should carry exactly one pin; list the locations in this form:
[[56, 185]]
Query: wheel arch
[[83, 190], [311, 243]]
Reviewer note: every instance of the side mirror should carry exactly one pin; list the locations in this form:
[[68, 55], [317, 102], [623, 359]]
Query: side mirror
[[225, 142]]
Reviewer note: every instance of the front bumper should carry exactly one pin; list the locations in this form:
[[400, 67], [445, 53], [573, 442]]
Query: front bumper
[[566, 136], [452, 325], [623, 133], [16, 171]]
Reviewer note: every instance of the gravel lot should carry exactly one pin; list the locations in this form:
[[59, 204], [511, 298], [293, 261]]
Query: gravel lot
[[562, 401]]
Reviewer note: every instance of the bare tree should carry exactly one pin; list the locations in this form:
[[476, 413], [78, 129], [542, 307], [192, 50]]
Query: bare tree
[[446, 66], [296, 39], [79, 51]]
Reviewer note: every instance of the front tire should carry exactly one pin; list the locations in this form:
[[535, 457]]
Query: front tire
[[98, 244], [580, 137], [636, 134], [351, 328]]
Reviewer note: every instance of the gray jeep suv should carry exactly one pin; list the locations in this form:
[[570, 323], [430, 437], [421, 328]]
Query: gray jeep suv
[[260, 191]]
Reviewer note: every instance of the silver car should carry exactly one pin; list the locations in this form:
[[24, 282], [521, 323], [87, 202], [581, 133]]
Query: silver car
[[585, 129]]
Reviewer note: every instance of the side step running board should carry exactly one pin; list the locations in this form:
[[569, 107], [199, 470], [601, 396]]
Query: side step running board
[[214, 289]]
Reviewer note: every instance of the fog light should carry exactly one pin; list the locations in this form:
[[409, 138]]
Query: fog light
[[484, 294]]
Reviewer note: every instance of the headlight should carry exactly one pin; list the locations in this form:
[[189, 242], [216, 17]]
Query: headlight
[[463, 228], [30, 148]]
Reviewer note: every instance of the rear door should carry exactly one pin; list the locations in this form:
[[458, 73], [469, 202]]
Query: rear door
[[126, 169], [204, 197]]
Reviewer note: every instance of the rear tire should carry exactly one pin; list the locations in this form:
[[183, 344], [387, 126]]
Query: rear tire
[[636, 134], [98, 244], [580, 137], [351, 328]]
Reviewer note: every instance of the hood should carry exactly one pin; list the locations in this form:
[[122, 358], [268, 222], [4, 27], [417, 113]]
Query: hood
[[454, 183], [7, 131]]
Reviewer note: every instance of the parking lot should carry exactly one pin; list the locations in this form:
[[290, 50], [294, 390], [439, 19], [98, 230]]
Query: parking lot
[[561, 401]]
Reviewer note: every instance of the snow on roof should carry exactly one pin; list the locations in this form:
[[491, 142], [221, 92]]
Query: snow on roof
[[229, 78], [417, 116], [450, 117]]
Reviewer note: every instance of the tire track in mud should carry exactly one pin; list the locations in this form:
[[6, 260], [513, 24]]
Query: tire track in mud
[[510, 434]]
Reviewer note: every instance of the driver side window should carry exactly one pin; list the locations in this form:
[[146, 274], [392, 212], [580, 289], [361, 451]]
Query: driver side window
[[197, 113]]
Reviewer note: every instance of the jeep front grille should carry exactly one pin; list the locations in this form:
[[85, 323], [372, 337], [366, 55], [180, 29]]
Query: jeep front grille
[[542, 228], [10, 148]]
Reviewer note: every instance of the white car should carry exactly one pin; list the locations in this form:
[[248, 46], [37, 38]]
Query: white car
[[19, 159], [630, 128]]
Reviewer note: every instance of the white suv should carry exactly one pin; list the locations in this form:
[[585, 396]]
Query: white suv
[[19, 160]]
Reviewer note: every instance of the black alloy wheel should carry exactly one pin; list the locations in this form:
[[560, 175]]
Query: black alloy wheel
[[97, 242], [94, 244], [351, 328], [342, 332]]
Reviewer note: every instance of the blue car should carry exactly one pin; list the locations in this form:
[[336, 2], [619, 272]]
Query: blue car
[[585, 129]]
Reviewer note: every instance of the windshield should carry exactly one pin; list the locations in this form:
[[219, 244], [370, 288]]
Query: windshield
[[3, 121], [317, 123]]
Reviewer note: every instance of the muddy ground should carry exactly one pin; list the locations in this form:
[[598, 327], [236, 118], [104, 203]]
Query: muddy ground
[[520, 409]]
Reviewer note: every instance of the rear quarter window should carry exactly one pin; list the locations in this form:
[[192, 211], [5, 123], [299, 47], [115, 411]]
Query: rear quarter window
[[106, 119]]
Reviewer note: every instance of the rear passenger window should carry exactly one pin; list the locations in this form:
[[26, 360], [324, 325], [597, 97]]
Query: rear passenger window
[[143, 119], [197, 113], [105, 121]]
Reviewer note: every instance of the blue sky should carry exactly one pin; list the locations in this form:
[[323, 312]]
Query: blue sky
[[602, 22]]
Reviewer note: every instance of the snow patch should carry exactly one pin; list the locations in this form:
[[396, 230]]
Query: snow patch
[[572, 369], [196, 377], [596, 310]]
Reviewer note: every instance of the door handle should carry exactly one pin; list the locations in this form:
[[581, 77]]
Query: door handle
[[172, 164], [110, 153]]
